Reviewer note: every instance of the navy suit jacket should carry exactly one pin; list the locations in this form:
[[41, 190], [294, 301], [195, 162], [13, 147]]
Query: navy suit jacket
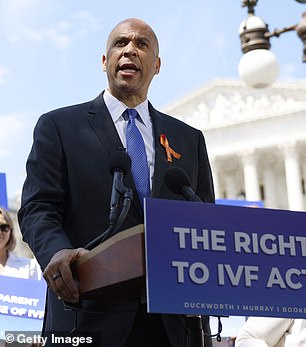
[[66, 196]]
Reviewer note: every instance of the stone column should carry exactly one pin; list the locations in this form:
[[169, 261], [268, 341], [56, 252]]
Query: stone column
[[215, 173], [251, 183], [293, 178], [230, 185], [303, 160], [270, 187]]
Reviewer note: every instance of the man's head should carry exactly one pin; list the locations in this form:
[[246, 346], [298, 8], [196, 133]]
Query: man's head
[[131, 60]]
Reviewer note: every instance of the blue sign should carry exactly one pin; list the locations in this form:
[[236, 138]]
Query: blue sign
[[225, 260], [3, 192], [22, 304]]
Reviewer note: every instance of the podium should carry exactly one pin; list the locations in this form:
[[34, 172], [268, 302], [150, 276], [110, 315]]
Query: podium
[[115, 269], [204, 259]]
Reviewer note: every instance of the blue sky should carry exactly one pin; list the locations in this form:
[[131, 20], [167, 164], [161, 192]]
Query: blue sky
[[50, 55]]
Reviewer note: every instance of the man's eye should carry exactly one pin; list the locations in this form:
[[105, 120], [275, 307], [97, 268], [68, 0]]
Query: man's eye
[[120, 43], [142, 44]]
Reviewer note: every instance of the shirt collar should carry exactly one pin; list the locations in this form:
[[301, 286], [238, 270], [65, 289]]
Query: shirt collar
[[117, 107]]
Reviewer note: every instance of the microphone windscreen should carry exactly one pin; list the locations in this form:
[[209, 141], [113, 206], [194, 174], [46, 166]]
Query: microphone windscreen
[[176, 178], [120, 161]]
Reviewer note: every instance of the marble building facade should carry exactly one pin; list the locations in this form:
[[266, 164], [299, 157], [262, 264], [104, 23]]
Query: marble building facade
[[256, 139]]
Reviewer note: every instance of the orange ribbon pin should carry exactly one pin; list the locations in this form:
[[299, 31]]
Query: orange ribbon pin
[[169, 151]]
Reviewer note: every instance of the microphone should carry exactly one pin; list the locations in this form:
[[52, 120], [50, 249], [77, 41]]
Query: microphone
[[119, 166], [178, 182]]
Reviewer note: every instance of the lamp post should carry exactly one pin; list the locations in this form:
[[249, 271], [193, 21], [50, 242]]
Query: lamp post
[[258, 66]]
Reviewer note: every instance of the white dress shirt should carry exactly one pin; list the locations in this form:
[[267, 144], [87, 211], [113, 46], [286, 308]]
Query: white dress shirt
[[21, 267], [116, 109]]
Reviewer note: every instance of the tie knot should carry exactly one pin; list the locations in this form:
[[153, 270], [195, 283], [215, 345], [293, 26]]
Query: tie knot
[[132, 113]]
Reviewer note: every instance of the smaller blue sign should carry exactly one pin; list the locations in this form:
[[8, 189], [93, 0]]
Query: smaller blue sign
[[3, 192], [22, 304], [224, 260], [22, 297]]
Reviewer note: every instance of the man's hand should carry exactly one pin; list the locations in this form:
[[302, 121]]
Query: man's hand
[[59, 276]]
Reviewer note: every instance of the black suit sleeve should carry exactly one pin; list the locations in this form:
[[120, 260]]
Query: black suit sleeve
[[205, 187], [45, 194]]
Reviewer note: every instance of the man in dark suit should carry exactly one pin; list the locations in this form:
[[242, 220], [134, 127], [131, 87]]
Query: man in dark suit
[[66, 195]]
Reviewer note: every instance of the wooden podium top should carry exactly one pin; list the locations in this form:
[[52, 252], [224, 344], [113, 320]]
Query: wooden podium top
[[115, 269], [138, 229]]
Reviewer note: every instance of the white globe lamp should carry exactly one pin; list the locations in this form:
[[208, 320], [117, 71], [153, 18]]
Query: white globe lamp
[[258, 68]]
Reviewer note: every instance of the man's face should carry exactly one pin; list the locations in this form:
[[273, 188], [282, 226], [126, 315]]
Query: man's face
[[131, 60]]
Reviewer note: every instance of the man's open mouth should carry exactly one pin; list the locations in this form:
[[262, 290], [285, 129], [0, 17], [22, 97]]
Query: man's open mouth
[[128, 68]]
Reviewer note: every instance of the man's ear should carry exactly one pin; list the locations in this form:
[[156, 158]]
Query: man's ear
[[158, 64], [104, 62]]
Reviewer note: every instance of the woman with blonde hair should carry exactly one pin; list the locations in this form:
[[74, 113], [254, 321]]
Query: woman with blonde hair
[[11, 264]]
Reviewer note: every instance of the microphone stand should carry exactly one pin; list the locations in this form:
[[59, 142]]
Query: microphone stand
[[127, 199], [112, 229], [114, 224], [195, 338]]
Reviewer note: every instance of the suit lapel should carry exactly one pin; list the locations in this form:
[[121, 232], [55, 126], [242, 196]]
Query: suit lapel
[[160, 126], [103, 126]]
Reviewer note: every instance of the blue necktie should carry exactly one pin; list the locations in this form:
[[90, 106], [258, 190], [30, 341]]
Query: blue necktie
[[137, 151]]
